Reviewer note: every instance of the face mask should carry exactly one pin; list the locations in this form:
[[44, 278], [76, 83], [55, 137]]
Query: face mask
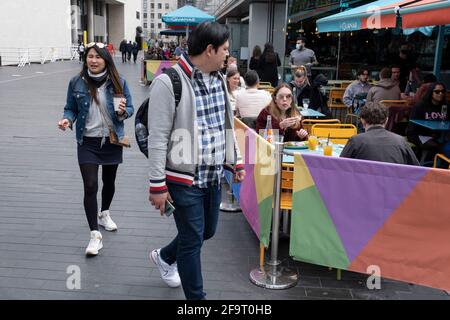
[[299, 46]]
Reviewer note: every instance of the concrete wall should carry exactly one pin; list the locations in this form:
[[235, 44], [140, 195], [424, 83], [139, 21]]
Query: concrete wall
[[99, 26], [259, 28], [131, 6], [43, 23], [116, 23]]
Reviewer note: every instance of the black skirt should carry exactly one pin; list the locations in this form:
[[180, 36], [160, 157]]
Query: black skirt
[[90, 152]]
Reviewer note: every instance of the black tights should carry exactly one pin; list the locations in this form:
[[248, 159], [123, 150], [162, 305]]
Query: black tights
[[89, 172]]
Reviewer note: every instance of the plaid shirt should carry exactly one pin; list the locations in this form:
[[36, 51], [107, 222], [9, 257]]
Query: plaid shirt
[[210, 104]]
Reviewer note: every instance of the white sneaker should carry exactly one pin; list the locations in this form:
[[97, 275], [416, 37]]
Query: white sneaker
[[104, 219], [169, 273], [95, 243]]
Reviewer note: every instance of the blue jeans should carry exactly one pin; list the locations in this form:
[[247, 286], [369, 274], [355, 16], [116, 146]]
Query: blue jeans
[[196, 216]]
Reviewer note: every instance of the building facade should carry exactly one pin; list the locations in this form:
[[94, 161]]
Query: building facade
[[48, 27], [153, 10]]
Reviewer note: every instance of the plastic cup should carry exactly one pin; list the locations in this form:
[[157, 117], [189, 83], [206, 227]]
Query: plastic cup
[[117, 98], [305, 102], [312, 142], [328, 150]]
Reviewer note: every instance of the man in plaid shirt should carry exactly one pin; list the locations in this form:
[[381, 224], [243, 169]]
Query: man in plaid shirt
[[190, 176]]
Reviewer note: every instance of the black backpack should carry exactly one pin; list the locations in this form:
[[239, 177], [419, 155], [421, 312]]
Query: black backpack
[[141, 120]]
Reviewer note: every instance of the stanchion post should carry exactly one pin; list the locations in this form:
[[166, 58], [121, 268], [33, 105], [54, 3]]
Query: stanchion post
[[277, 276], [230, 205]]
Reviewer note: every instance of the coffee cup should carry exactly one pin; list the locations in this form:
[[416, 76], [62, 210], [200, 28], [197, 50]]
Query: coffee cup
[[117, 99]]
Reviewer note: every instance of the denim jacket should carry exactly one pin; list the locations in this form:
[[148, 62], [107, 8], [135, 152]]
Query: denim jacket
[[79, 101]]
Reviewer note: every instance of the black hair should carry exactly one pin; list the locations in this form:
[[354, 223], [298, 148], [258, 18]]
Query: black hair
[[251, 78], [269, 53], [427, 97], [205, 34], [109, 67], [361, 71], [376, 114], [302, 39]]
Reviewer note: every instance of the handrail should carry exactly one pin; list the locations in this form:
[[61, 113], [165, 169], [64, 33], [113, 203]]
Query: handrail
[[22, 56]]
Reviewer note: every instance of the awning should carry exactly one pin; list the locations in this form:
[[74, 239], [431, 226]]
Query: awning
[[383, 14], [176, 32], [186, 16]]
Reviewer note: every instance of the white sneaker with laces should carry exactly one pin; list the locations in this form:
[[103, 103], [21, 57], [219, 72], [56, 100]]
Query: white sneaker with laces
[[169, 273], [104, 219], [95, 244]]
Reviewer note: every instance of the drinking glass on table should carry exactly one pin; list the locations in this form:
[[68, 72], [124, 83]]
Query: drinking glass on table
[[305, 102], [312, 142], [444, 112]]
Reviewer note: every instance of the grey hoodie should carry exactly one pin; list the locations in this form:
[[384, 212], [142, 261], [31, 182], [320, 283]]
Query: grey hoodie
[[173, 150], [385, 89]]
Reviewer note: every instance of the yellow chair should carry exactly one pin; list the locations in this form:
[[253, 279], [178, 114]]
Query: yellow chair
[[338, 133], [287, 184], [441, 157], [264, 84], [308, 123], [336, 103]]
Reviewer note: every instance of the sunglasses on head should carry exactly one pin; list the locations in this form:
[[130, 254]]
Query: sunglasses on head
[[439, 91], [97, 44]]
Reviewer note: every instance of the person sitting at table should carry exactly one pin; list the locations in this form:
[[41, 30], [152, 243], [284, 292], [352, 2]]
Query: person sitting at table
[[377, 143], [251, 101], [360, 85], [302, 88], [426, 140], [385, 89], [233, 86], [285, 116]]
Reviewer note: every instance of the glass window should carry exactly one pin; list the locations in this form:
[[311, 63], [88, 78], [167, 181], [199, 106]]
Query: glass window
[[152, 25], [167, 6], [145, 15], [159, 26], [152, 6], [159, 5], [145, 25], [152, 15], [159, 15], [138, 15]]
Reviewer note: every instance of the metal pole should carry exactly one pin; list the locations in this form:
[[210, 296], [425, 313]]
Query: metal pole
[[277, 276], [438, 54], [229, 204], [338, 56], [276, 204]]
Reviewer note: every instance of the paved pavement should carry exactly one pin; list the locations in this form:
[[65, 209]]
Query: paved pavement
[[43, 230]]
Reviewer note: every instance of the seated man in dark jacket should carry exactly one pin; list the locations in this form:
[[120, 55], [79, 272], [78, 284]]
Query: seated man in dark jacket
[[377, 143]]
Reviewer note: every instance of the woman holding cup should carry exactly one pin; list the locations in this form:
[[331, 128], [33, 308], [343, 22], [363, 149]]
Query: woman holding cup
[[98, 101], [285, 116]]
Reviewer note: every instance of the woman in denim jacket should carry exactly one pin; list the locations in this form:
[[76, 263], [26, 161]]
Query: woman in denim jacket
[[90, 104]]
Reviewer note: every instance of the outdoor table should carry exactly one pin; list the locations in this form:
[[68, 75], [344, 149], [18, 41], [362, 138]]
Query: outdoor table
[[433, 125], [310, 113], [288, 156]]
